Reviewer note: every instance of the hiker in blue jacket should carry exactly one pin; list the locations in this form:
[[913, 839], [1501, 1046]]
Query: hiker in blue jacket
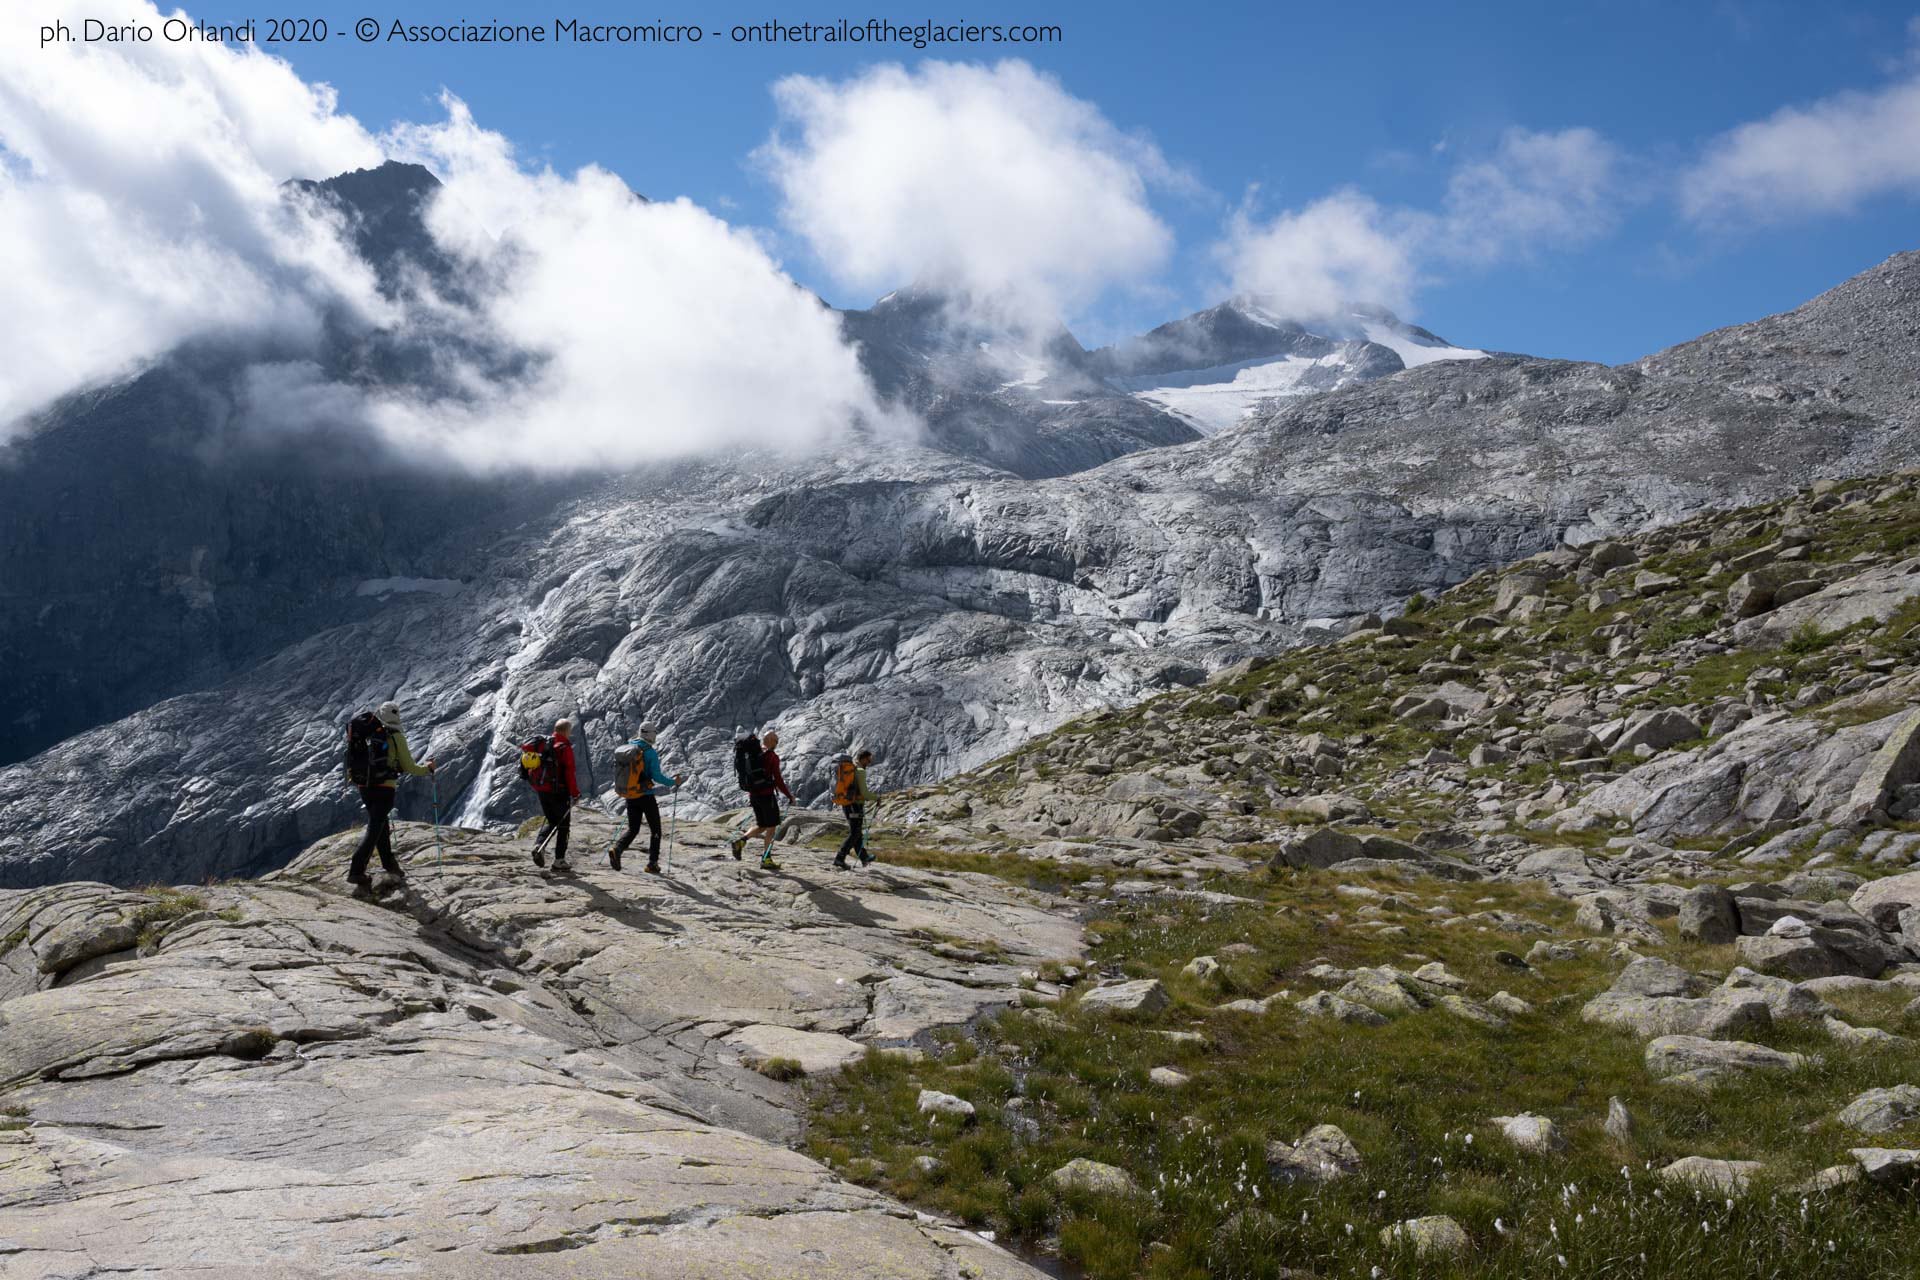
[[647, 780]]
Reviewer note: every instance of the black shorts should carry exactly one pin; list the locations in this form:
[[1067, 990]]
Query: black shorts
[[766, 810]]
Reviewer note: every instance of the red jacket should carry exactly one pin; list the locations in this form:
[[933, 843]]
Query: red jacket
[[563, 752], [772, 759]]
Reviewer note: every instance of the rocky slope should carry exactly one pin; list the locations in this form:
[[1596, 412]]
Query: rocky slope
[[1607, 858], [944, 611], [485, 1068]]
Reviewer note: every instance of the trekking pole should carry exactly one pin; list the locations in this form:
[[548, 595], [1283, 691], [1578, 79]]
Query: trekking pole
[[438, 854], [673, 825]]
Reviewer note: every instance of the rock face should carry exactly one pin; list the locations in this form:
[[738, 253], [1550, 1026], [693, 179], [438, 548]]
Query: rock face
[[485, 1070], [1771, 768], [943, 604]]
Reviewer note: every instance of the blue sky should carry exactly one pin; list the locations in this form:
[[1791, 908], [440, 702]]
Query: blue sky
[[1302, 101]]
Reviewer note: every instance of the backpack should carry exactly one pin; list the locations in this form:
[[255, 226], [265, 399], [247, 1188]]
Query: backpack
[[538, 764], [630, 779], [749, 765], [368, 761], [844, 781]]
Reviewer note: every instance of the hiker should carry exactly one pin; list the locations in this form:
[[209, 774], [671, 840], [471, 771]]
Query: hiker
[[638, 779], [851, 794], [377, 754], [547, 765], [757, 764]]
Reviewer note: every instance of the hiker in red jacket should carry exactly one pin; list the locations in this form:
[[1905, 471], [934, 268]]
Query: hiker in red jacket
[[766, 809], [557, 791]]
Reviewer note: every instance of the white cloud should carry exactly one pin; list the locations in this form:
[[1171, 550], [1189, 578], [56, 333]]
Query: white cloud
[[1536, 191], [139, 203], [1344, 248], [989, 181], [1803, 161], [141, 207], [662, 331]]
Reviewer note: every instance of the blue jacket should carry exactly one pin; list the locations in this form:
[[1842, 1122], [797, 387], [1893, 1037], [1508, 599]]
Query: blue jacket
[[651, 766]]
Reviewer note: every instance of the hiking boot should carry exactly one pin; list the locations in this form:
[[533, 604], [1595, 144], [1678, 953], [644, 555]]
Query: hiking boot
[[841, 862], [613, 857], [539, 858], [563, 866], [653, 865], [739, 846], [866, 859], [767, 863]]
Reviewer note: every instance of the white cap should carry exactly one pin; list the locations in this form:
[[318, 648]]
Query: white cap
[[646, 732], [389, 713]]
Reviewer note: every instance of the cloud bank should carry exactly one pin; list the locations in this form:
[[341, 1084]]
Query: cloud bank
[[141, 207], [993, 182]]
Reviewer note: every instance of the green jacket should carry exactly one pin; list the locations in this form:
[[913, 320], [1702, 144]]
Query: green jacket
[[859, 794], [400, 758]]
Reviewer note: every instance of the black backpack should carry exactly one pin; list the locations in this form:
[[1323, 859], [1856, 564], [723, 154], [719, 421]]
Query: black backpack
[[368, 761], [750, 765], [538, 763]]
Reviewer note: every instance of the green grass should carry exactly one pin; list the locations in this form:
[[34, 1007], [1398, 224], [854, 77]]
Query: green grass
[[168, 905], [13, 940], [781, 1069], [1050, 1086]]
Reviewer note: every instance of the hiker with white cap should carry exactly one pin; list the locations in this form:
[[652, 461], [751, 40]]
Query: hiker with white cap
[[377, 754], [638, 779]]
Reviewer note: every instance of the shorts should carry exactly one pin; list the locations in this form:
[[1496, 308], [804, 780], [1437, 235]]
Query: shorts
[[766, 810]]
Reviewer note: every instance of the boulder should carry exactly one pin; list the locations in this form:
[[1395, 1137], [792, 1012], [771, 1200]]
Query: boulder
[[1323, 1154], [1882, 901], [1090, 1177], [1168, 1078], [1720, 1177], [1700, 1060], [1774, 768], [1568, 741], [1708, 914], [1650, 976], [1887, 1166], [1437, 1236], [1204, 968], [1882, 1110], [1895, 765], [1533, 1133], [1327, 1005], [1319, 849], [934, 1103], [1619, 1122], [1872, 595], [817, 1052], [1816, 953], [1145, 995], [1724, 1015], [1787, 1000], [1658, 730]]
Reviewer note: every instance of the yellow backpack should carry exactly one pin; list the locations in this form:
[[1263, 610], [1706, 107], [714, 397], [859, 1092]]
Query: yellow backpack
[[845, 790]]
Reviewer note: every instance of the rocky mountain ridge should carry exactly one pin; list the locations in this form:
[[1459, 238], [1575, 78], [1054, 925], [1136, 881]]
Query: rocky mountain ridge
[[943, 611]]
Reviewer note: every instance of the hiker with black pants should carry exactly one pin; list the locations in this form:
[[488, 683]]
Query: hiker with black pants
[[852, 795], [553, 782], [639, 782], [758, 766], [377, 754]]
